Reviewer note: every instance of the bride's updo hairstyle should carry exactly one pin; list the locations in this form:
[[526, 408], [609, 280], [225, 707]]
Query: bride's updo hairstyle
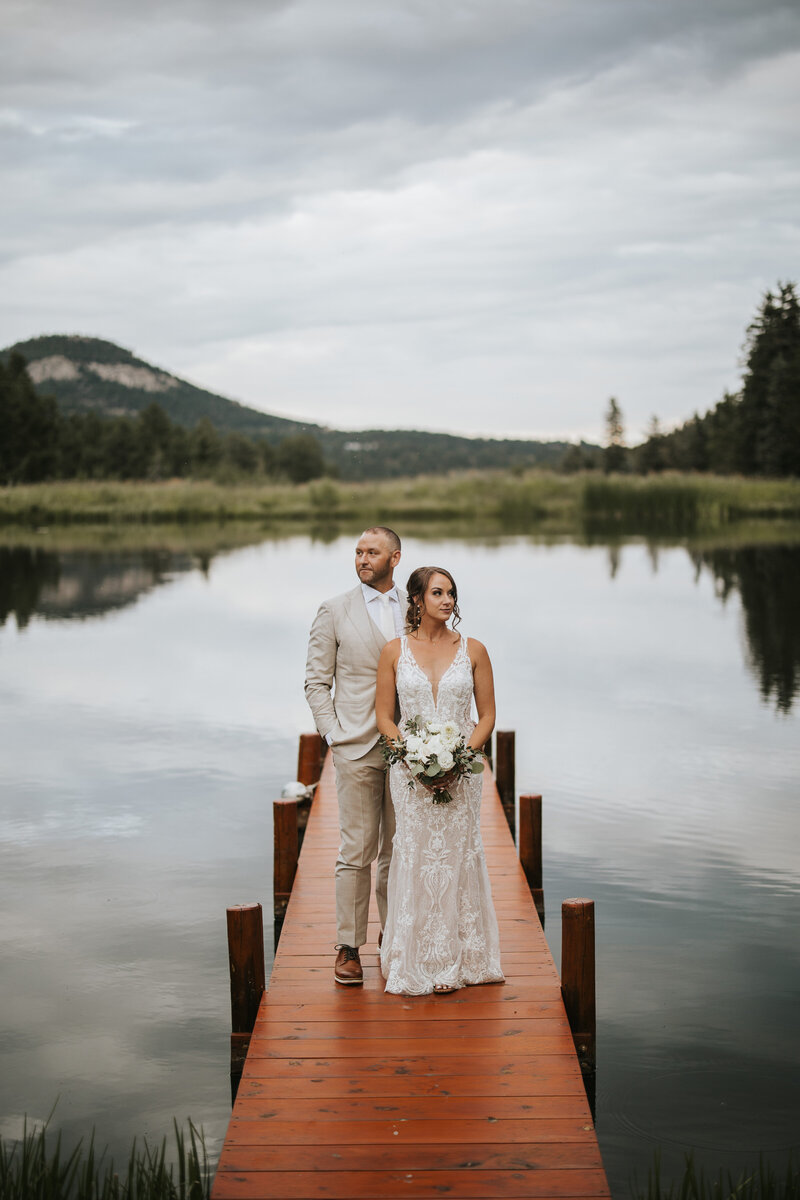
[[416, 588]]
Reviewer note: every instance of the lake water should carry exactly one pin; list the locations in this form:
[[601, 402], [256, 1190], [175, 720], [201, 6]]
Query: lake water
[[150, 704]]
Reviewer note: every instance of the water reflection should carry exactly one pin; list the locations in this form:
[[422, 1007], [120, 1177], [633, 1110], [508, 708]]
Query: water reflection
[[79, 584], [24, 572], [70, 585], [767, 579], [719, 1073]]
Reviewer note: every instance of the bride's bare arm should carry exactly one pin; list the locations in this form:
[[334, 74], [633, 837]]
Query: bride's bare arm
[[385, 690], [483, 681]]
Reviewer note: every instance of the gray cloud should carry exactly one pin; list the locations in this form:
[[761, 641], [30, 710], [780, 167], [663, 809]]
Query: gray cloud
[[465, 209]]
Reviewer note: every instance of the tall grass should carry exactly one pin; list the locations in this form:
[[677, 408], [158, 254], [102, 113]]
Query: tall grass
[[765, 1183], [684, 503], [37, 1168], [516, 503], [476, 497]]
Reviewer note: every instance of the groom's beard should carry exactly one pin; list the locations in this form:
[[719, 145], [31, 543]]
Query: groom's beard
[[370, 576]]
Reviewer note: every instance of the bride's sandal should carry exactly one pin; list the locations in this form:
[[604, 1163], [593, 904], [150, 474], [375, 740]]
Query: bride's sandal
[[443, 989]]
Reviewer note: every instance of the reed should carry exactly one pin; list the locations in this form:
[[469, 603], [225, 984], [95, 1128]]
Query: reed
[[178, 501], [764, 1183], [510, 501], [476, 496], [38, 1168], [685, 503]]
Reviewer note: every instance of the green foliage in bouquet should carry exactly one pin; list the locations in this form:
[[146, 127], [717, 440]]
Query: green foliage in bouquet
[[433, 751]]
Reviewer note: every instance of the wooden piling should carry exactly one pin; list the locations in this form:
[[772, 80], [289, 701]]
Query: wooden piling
[[248, 978], [310, 755], [530, 847], [286, 842], [578, 977], [505, 771]]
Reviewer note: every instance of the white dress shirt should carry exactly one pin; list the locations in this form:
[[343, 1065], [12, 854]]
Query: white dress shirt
[[372, 598]]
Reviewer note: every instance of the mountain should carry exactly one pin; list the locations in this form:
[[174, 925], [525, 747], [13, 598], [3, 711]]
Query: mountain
[[91, 375]]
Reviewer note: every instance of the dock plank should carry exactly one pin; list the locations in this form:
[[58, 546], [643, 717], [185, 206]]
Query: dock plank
[[351, 1093], [531, 1156]]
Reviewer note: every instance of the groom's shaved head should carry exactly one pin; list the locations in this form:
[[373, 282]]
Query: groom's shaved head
[[377, 555], [389, 534]]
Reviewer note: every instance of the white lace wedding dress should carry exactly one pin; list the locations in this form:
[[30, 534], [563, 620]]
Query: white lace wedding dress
[[441, 926]]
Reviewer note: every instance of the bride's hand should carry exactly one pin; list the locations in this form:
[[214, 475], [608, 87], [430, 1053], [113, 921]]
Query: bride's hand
[[441, 782]]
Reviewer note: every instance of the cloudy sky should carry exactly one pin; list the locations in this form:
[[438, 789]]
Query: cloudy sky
[[486, 215]]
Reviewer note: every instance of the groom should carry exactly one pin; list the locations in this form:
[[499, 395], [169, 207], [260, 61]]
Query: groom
[[344, 646]]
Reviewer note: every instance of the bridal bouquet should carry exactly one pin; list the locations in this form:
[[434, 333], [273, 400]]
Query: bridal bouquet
[[431, 750]]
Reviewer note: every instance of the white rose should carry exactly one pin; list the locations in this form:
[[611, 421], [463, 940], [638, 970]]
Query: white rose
[[433, 727], [450, 735], [414, 745], [432, 746], [446, 760]]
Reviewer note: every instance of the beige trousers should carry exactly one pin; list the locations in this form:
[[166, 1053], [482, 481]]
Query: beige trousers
[[366, 830]]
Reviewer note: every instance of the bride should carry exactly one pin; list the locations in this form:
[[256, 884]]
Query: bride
[[441, 929]]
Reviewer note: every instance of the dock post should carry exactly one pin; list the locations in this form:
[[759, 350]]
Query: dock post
[[530, 847], [310, 757], [284, 816], [578, 978], [248, 979], [505, 774]]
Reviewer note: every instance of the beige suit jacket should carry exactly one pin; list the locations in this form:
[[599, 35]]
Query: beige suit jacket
[[343, 651]]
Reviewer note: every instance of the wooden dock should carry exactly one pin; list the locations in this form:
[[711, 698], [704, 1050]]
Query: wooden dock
[[349, 1092]]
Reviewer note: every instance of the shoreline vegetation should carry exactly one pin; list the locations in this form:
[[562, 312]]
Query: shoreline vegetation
[[39, 1167], [503, 501]]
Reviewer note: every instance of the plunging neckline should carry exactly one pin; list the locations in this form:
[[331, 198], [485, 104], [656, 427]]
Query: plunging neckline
[[445, 673]]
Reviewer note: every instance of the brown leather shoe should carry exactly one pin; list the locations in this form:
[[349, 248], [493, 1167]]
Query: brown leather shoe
[[348, 966]]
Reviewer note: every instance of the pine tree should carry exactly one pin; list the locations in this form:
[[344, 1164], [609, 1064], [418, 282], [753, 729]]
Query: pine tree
[[653, 455], [692, 452], [242, 453], [154, 437], [769, 420], [574, 460], [29, 427], [614, 458], [300, 458], [722, 427], [206, 448]]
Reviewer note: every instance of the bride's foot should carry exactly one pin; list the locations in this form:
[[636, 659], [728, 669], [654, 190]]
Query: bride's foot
[[443, 989]]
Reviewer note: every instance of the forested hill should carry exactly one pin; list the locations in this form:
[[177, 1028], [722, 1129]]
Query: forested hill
[[398, 453], [89, 375]]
